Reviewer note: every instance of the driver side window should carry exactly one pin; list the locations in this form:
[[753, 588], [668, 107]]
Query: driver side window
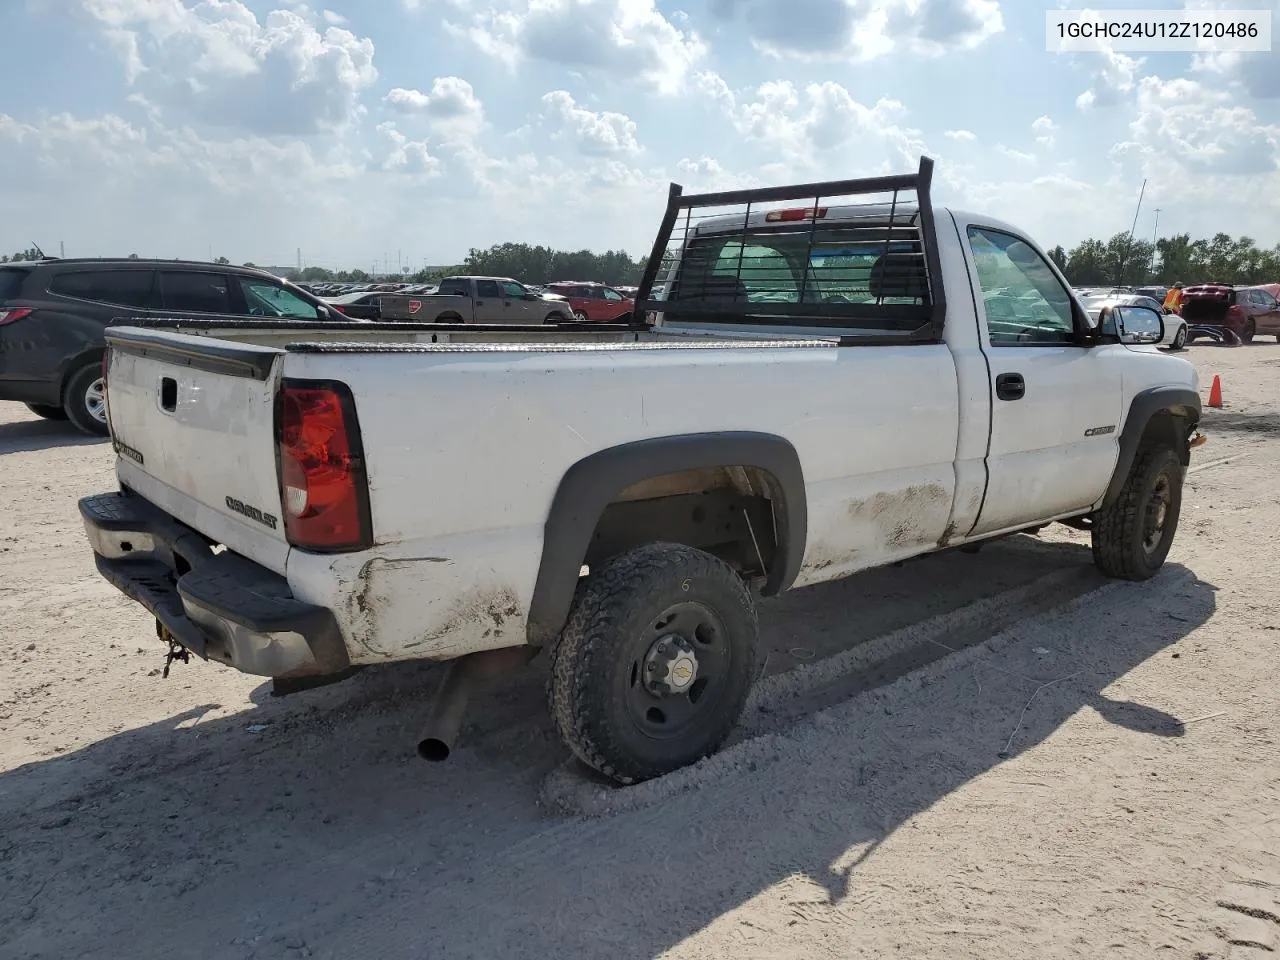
[[1025, 303], [513, 290]]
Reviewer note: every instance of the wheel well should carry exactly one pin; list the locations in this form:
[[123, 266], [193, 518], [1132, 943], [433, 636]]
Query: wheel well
[[726, 511], [1166, 428], [74, 366], [449, 317]]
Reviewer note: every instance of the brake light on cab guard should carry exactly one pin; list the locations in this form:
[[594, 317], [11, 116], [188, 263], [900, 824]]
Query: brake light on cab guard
[[798, 213], [323, 488]]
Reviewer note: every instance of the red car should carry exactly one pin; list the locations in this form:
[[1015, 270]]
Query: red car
[[594, 301], [1245, 311]]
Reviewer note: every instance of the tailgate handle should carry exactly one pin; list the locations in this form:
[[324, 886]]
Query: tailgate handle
[[168, 394]]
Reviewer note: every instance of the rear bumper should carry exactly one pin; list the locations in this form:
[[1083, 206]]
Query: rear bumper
[[221, 606]]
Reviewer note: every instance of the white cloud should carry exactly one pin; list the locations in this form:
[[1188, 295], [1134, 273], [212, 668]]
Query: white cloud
[[600, 134], [623, 38], [451, 104], [1113, 80], [1183, 131], [410, 156], [963, 135], [1017, 156], [862, 29], [1044, 128], [804, 126], [332, 18], [216, 63]]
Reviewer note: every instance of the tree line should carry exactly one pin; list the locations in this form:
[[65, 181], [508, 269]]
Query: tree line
[[1091, 263], [1221, 259]]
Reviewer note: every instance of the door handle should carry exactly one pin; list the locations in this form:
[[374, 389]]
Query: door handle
[[1010, 386]]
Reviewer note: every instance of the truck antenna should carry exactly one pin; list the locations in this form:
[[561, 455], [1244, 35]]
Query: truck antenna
[[1125, 254]]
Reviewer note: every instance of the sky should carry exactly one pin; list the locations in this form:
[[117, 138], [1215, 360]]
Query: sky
[[369, 133]]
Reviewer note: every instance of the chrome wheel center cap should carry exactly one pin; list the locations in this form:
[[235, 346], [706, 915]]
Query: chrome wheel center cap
[[670, 666]]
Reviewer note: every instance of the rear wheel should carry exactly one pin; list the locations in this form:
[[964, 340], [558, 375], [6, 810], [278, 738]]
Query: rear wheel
[[554, 318], [1132, 537], [1247, 333], [47, 412], [580, 316], [653, 669], [85, 401]]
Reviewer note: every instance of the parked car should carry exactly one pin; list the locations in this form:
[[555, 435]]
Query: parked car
[[819, 407], [497, 300], [53, 313], [594, 301], [1175, 327], [358, 305], [1245, 311]]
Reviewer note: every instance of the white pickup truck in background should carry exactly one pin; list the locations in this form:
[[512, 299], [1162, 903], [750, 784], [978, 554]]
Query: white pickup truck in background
[[827, 388]]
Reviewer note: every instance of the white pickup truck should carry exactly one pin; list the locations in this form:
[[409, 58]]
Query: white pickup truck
[[824, 387]]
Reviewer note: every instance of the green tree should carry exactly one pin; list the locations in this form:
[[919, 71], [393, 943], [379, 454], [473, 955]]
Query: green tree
[[22, 256]]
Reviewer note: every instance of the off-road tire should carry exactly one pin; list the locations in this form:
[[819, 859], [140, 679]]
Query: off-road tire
[[1118, 530], [74, 401], [609, 625], [47, 412]]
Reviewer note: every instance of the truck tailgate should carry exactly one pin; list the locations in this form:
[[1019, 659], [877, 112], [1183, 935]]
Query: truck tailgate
[[193, 422]]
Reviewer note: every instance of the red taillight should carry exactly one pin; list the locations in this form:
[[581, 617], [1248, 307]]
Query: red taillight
[[322, 481], [799, 213], [13, 313], [339, 308]]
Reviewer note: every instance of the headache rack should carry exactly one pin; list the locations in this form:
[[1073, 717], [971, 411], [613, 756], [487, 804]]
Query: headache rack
[[857, 258]]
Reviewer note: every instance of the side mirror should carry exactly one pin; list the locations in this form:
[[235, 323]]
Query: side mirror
[[530, 295], [1137, 325]]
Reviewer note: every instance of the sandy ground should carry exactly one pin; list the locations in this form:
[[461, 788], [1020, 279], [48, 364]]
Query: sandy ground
[[999, 755]]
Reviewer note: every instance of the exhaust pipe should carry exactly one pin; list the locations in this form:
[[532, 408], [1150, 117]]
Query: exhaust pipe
[[462, 678]]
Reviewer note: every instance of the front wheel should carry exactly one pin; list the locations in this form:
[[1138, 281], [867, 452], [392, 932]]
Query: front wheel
[[1180, 338], [47, 412], [654, 666], [1132, 537], [85, 401]]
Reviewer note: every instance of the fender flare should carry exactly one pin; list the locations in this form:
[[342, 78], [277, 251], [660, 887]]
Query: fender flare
[[592, 483], [1179, 401]]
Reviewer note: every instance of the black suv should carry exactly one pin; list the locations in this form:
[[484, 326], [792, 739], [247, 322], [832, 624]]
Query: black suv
[[53, 312]]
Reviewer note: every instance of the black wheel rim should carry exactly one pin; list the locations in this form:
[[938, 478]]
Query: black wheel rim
[[686, 626], [1156, 515]]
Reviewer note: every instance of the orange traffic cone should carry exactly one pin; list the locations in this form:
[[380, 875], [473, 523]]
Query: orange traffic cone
[[1215, 392]]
